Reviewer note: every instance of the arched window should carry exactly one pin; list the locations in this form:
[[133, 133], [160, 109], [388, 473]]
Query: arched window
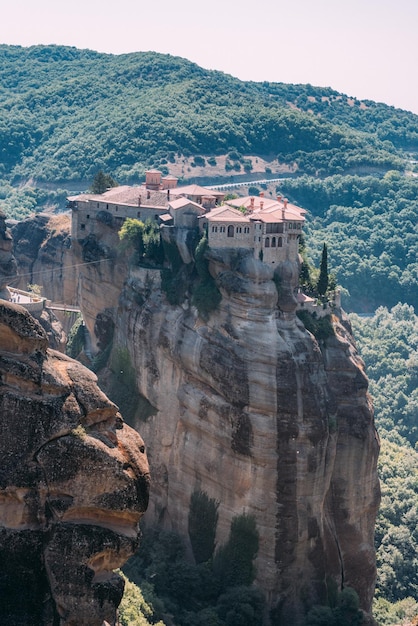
[[267, 242], [280, 242], [230, 231], [273, 242]]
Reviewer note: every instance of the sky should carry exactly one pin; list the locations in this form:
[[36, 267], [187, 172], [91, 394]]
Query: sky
[[363, 48]]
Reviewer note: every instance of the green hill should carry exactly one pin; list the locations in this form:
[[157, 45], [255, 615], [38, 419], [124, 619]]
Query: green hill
[[65, 113]]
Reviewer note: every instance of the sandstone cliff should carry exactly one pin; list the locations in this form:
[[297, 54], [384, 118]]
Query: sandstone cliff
[[73, 485], [251, 409]]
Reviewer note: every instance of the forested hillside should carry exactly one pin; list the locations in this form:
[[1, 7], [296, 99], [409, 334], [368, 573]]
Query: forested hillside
[[388, 342], [370, 226], [66, 113]]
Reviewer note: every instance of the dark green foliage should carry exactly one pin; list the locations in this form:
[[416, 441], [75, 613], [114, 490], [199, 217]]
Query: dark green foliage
[[388, 342], [75, 342], [234, 561], [145, 239], [160, 106], [241, 606], [102, 182], [345, 613], [322, 284], [206, 297], [370, 224], [253, 191], [199, 595], [203, 520], [320, 327]]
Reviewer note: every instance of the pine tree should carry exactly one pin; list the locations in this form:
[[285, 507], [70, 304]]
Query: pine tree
[[102, 182], [322, 284]]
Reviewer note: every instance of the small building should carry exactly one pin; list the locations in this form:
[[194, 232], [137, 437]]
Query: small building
[[271, 228], [183, 213], [228, 227]]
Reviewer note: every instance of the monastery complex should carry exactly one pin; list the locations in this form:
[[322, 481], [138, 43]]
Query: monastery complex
[[270, 228]]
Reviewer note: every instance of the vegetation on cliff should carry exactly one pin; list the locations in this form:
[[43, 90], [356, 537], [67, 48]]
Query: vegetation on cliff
[[216, 591]]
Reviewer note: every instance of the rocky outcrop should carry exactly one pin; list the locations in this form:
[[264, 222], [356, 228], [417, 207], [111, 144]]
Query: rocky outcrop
[[8, 266], [251, 409], [73, 485], [42, 245]]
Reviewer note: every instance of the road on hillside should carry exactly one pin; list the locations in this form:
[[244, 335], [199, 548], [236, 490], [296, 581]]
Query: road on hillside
[[254, 183]]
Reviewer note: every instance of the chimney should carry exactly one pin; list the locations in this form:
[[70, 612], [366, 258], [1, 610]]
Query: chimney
[[139, 200], [252, 204], [261, 194], [261, 206], [279, 198], [285, 201], [168, 194]]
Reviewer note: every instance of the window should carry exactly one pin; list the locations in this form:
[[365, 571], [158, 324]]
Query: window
[[239, 229], [267, 242], [82, 227], [138, 214], [280, 242], [107, 207], [88, 216], [230, 231], [98, 205], [222, 229], [273, 242], [246, 229], [274, 228]]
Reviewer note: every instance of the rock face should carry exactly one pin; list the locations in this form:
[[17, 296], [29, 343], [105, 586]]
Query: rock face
[[74, 484], [42, 247], [251, 409], [8, 266]]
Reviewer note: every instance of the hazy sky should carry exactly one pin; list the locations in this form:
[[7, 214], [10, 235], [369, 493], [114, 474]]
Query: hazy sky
[[363, 48]]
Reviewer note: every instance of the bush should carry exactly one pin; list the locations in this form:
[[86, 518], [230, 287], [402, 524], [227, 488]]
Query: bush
[[320, 327]]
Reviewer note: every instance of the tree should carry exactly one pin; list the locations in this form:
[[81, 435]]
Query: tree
[[102, 182], [322, 284]]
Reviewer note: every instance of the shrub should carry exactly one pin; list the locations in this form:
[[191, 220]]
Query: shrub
[[320, 327]]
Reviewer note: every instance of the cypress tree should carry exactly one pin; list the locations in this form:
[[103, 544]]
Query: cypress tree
[[322, 284]]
